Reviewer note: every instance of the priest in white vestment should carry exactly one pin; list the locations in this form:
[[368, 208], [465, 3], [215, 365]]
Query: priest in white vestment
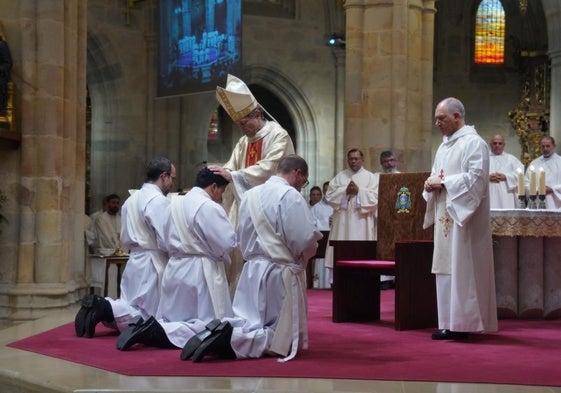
[[457, 195], [107, 225], [277, 236], [353, 194], [503, 176], [321, 212], [145, 215], [550, 161], [255, 156], [194, 286]]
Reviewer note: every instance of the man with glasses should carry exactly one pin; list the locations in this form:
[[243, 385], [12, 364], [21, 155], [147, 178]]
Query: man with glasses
[[502, 176], [457, 195], [353, 194], [145, 216], [255, 157], [388, 162]]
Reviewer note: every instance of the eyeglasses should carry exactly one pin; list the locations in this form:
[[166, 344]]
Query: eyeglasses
[[306, 182]]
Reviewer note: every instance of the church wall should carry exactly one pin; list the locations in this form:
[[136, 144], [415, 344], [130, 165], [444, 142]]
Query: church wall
[[488, 93], [130, 124], [296, 49]]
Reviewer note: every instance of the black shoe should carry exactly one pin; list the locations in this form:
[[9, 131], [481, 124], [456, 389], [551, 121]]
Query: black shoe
[[149, 333], [100, 311], [194, 342], [218, 344], [125, 335], [88, 302], [446, 334]]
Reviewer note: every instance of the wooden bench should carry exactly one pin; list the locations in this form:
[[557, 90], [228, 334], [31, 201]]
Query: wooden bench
[[356, 289], [356, 283]]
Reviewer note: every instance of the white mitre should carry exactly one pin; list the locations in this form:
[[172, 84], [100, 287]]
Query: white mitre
[[236, 98]]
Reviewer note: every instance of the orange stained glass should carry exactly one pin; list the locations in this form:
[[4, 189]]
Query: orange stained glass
[[490, 33]]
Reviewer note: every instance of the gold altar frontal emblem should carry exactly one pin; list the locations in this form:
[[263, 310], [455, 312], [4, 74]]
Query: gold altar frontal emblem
[[403, 201]]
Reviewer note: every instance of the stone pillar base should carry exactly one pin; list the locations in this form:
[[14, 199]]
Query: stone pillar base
[[24, 302]]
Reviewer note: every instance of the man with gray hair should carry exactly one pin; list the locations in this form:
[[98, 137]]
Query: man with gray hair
[[457, 195], [550, 162]]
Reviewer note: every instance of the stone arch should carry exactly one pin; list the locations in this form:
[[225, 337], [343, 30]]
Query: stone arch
[[101, 77]]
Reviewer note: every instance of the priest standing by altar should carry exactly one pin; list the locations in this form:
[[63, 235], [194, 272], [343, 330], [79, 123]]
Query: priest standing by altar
[[550, 162], [353, 194], [457, 195], [502, 175], [255, 157]]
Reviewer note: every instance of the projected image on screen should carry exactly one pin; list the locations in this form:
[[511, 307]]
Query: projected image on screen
[[200, 43]]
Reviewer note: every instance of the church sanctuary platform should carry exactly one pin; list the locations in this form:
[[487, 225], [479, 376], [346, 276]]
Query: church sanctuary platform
[[23, 371]]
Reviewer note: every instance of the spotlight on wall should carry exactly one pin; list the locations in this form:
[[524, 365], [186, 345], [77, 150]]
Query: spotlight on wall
[[336, 40]]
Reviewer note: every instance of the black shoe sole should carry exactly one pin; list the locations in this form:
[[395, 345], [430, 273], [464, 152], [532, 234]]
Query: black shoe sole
[[194, 342], [215, 344], [88, 301]]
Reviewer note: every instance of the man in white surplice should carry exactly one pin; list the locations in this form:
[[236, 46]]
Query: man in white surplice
[[457, 195], [194, 286], [277, 237], [145, 214], [353, 194], [550, 161], [503, 178]]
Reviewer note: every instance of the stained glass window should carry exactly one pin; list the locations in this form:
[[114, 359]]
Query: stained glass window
[[490, 33]]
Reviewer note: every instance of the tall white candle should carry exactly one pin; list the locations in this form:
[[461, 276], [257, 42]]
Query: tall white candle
[[520, 174], [532, 172], [541, 181]]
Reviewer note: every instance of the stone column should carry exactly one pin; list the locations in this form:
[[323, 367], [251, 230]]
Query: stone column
[[552, 10], [555, 105], [340, 155], [53, 95], [389, 80]]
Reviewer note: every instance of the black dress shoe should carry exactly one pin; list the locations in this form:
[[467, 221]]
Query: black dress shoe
[[126, 334], [100, 311], [88, 302], [446, 334], [149, 333], [194, 342], [218, 344]]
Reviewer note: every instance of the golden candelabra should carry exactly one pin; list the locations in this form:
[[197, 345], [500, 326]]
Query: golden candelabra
[[530, 119]]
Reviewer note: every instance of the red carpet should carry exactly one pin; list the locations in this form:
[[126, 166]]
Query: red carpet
[[522, 352]]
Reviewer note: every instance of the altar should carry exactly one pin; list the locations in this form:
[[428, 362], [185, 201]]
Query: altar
[[104, 274], [527, 252]]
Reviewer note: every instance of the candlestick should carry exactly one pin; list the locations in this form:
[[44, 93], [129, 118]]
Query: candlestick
[[520, 174], [541, 203], [532, 202], [521, 201], [541, 181], [532, 175]]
